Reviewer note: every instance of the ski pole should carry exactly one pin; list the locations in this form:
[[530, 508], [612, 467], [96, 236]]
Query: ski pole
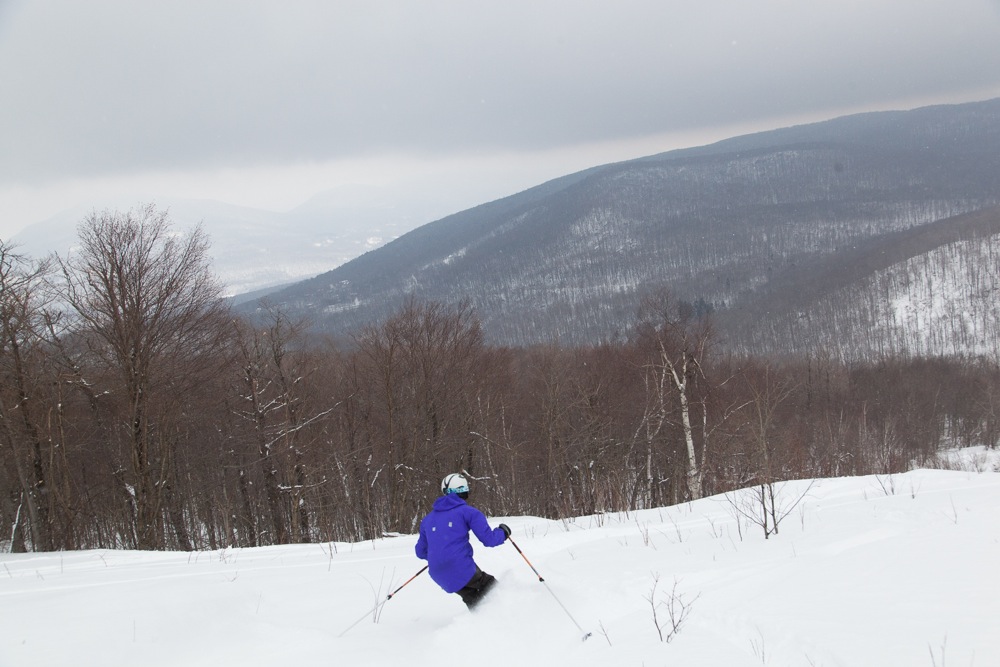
[[526, 559], [387, 598], [549, 589]]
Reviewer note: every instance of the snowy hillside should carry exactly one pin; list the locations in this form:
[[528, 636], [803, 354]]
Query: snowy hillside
[[942, 302], [945, 300], [757, 227], [894, 570]]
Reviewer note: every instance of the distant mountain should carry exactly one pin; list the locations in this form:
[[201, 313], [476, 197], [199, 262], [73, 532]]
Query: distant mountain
[[255, 250], [768, 229]]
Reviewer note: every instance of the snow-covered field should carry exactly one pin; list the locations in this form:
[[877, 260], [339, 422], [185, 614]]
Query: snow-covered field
[[901, 571]]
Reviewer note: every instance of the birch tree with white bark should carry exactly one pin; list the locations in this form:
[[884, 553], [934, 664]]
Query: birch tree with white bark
[[677, 343]]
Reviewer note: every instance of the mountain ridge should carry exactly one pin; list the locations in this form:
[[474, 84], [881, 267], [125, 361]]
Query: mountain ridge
[[569, 259]]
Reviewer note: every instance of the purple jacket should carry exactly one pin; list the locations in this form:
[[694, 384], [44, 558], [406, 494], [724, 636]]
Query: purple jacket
[[444, 541]]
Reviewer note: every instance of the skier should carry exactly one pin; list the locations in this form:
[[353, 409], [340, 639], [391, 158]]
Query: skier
[[444, 542]]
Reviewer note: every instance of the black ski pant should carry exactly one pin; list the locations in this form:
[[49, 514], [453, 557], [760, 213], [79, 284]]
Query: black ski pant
[[479, 585]]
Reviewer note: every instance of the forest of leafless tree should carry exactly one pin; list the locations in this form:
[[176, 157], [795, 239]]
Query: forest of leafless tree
[[136, 411]]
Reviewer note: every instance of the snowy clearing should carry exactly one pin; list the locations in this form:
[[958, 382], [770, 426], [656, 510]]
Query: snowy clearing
[[891, 570]]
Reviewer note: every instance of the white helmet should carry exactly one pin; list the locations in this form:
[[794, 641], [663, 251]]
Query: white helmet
[[454, 483]]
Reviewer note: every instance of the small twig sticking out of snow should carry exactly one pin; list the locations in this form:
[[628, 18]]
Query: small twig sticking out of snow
[[758, 648], [716, 532], [644, 531], [934, 662], [330, 553], [678, 610], [677, 529], [379, 595], [888, 484]]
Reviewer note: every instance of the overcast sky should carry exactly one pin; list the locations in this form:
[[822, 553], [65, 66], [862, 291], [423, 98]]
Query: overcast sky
[[265, 103]]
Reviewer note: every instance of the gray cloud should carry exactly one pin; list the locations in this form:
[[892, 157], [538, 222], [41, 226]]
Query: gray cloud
[[118, 86]]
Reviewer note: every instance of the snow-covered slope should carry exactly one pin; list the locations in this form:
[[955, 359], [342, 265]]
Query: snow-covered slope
[[941, 302], [875, 571], [945, 302]]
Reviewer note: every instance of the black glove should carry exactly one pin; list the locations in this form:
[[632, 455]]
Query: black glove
[[506, 530]]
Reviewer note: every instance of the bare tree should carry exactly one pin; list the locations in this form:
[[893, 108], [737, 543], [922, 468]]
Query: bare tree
[[677, 607], [764, 503], [275, 411], [143, 297], [679, 343], [656, 414], [21, 435], [419, 377]]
